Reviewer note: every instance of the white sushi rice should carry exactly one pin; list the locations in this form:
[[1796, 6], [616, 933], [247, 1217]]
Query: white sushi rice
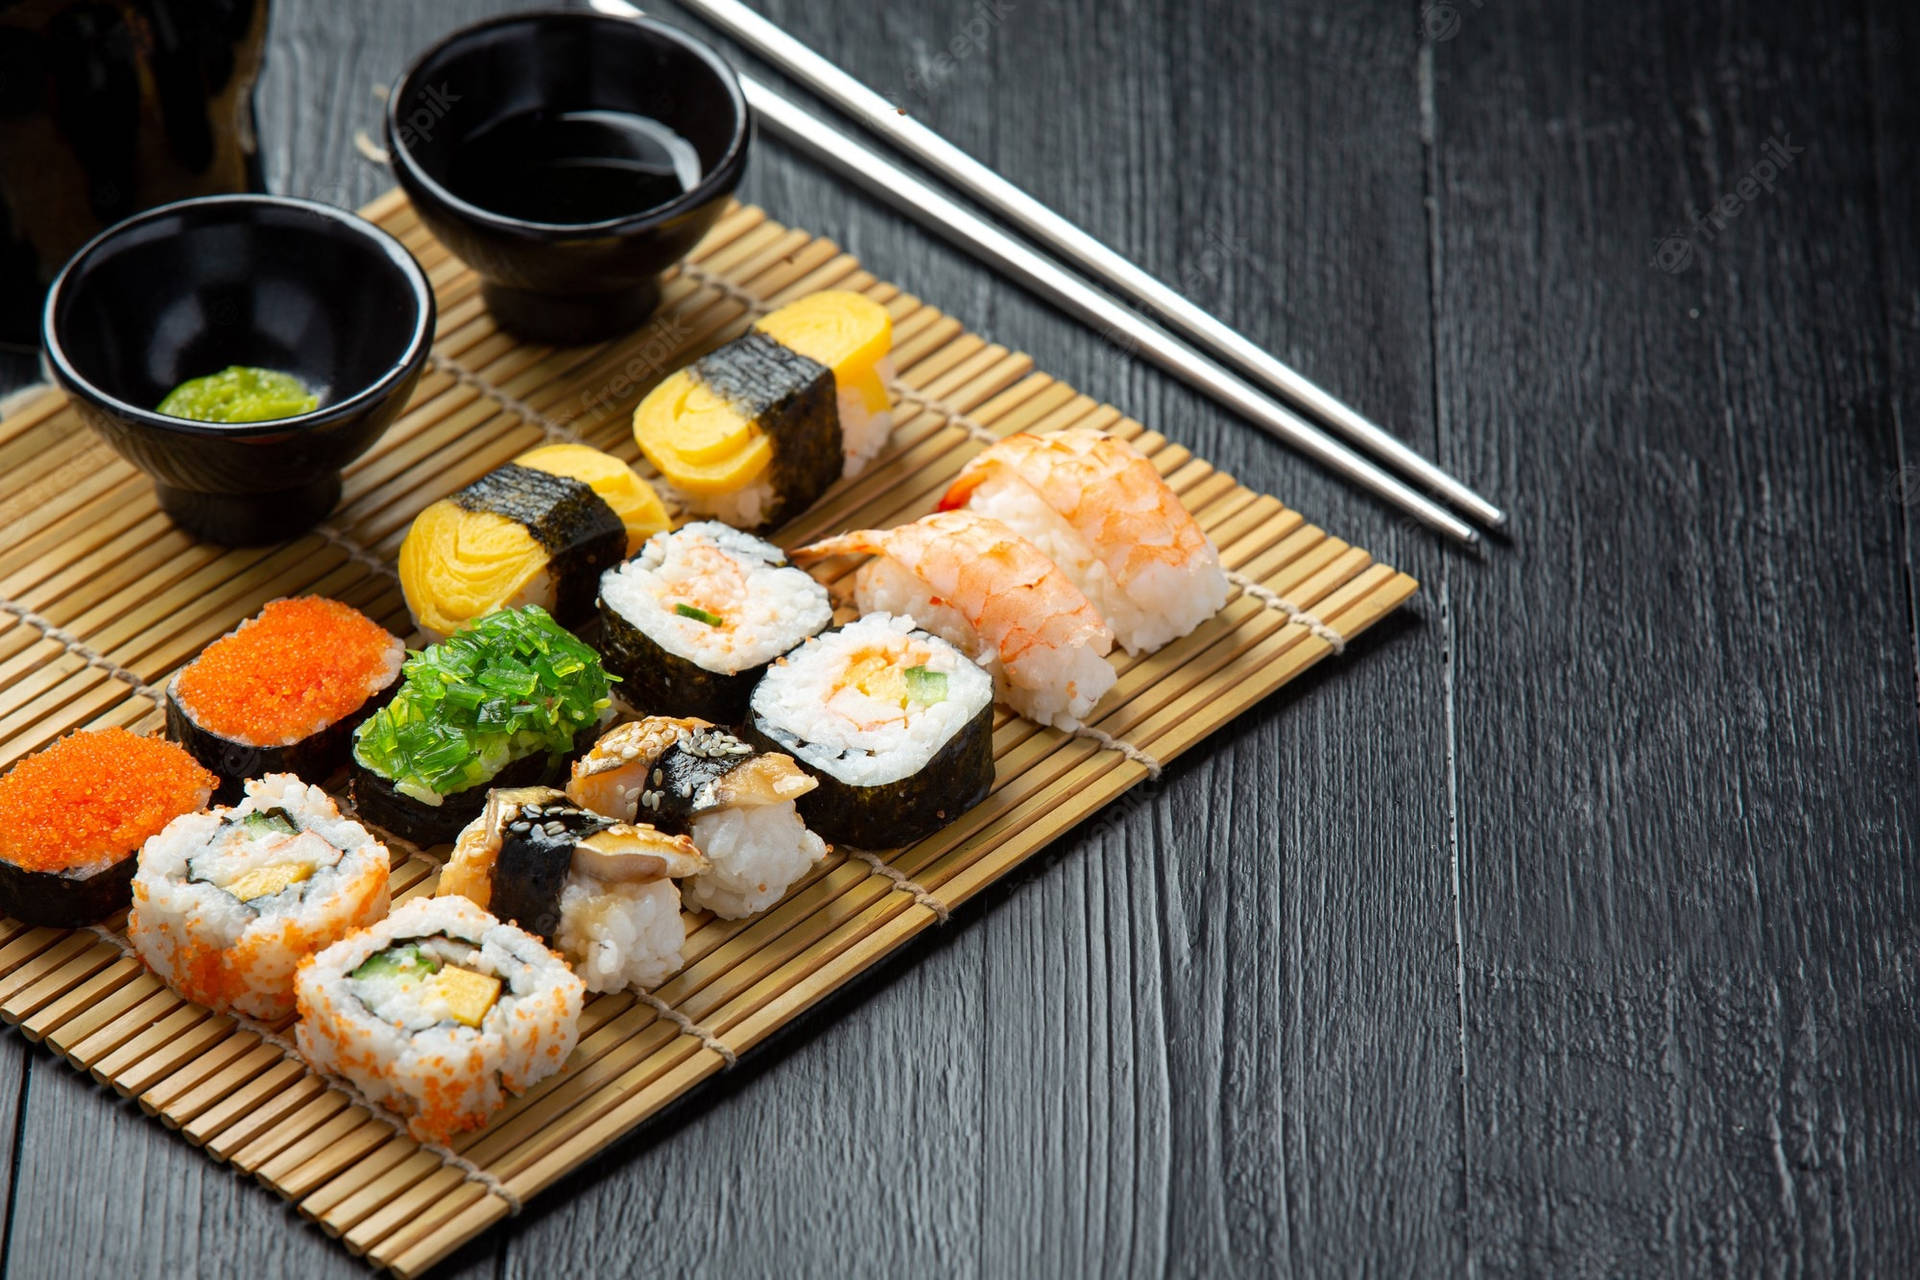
[[620, 935], [415, 1060], [862, 433], [757, 853], [1161, 603], [745, 508], [807, 706], [1049, 685], [769, 609], [240, 955]]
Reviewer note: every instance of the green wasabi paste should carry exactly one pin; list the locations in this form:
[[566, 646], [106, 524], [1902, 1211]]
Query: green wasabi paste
[[240, 394]]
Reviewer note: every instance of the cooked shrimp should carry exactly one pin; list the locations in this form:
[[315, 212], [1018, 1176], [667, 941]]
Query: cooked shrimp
[[1106, 489], [980, 585], [1099, 508]]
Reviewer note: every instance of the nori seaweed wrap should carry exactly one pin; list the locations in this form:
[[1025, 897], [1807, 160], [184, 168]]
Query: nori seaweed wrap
[[689, 624], [896, 724], [283, 692], [521, 534], [73, 818]]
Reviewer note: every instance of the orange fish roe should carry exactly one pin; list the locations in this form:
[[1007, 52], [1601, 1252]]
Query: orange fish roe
[[95, 794], [300, 666]]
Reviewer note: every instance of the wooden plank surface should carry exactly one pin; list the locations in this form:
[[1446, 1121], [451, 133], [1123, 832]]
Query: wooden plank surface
[[1253, 1058], [1687, 840]]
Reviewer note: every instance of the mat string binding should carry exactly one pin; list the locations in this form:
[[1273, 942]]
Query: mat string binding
[[468, 1169], [1111, 743], [1274, 600], [690, 1027], [933, 404], [355, 552], [671, 498], [80, 649], [920, 893], [369, 149], [467, 377], [755, 305]]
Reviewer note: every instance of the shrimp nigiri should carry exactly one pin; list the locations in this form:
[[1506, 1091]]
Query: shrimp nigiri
[[981, 586], [1099, 508]]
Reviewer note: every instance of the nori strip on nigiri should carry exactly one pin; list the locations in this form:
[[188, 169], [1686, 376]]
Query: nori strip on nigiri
[[580, 532], [536, 855], [793, 400], [682, 779]]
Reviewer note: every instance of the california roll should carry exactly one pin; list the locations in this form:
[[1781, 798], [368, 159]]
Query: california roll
[[226, 902], [438, 1013]]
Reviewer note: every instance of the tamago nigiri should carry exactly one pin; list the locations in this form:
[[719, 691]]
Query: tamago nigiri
[[755, 431]]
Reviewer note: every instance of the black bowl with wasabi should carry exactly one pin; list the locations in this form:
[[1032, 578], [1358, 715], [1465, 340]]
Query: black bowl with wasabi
[[241, 350]]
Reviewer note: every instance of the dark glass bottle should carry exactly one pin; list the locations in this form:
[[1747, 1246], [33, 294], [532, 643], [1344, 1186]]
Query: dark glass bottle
[[108, 107]]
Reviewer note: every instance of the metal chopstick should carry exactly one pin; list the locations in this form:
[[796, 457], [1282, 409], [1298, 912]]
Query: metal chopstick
[[894, 185], [1065, 240]]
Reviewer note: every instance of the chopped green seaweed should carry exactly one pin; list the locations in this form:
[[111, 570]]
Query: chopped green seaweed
[[512, 684]]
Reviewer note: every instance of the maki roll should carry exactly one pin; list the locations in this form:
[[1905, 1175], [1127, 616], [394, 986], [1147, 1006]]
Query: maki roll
[[72, 818], [499, 703], [736, 803], [897, 724], [438, 1012], [755, 431], [982, 587], [538, 530], [599, 892], [226, 903], [689, 623], [1099, 509], [283, 691]]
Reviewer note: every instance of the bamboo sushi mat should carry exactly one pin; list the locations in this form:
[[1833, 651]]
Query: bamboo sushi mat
[[103, 599]]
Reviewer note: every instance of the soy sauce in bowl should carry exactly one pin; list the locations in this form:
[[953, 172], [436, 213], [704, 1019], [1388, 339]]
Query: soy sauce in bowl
[[570, 159], [571, 167]]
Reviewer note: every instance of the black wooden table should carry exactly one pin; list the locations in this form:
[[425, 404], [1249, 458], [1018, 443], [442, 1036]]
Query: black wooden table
[[1571, 924]]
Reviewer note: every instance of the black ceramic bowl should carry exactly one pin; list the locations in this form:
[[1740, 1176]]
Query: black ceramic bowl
[[559, 279], [190, 288]]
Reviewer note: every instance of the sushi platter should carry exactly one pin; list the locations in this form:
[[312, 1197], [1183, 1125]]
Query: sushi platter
[[110, 613]]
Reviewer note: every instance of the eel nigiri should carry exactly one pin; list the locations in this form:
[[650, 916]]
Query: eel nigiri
[[686, 776]]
